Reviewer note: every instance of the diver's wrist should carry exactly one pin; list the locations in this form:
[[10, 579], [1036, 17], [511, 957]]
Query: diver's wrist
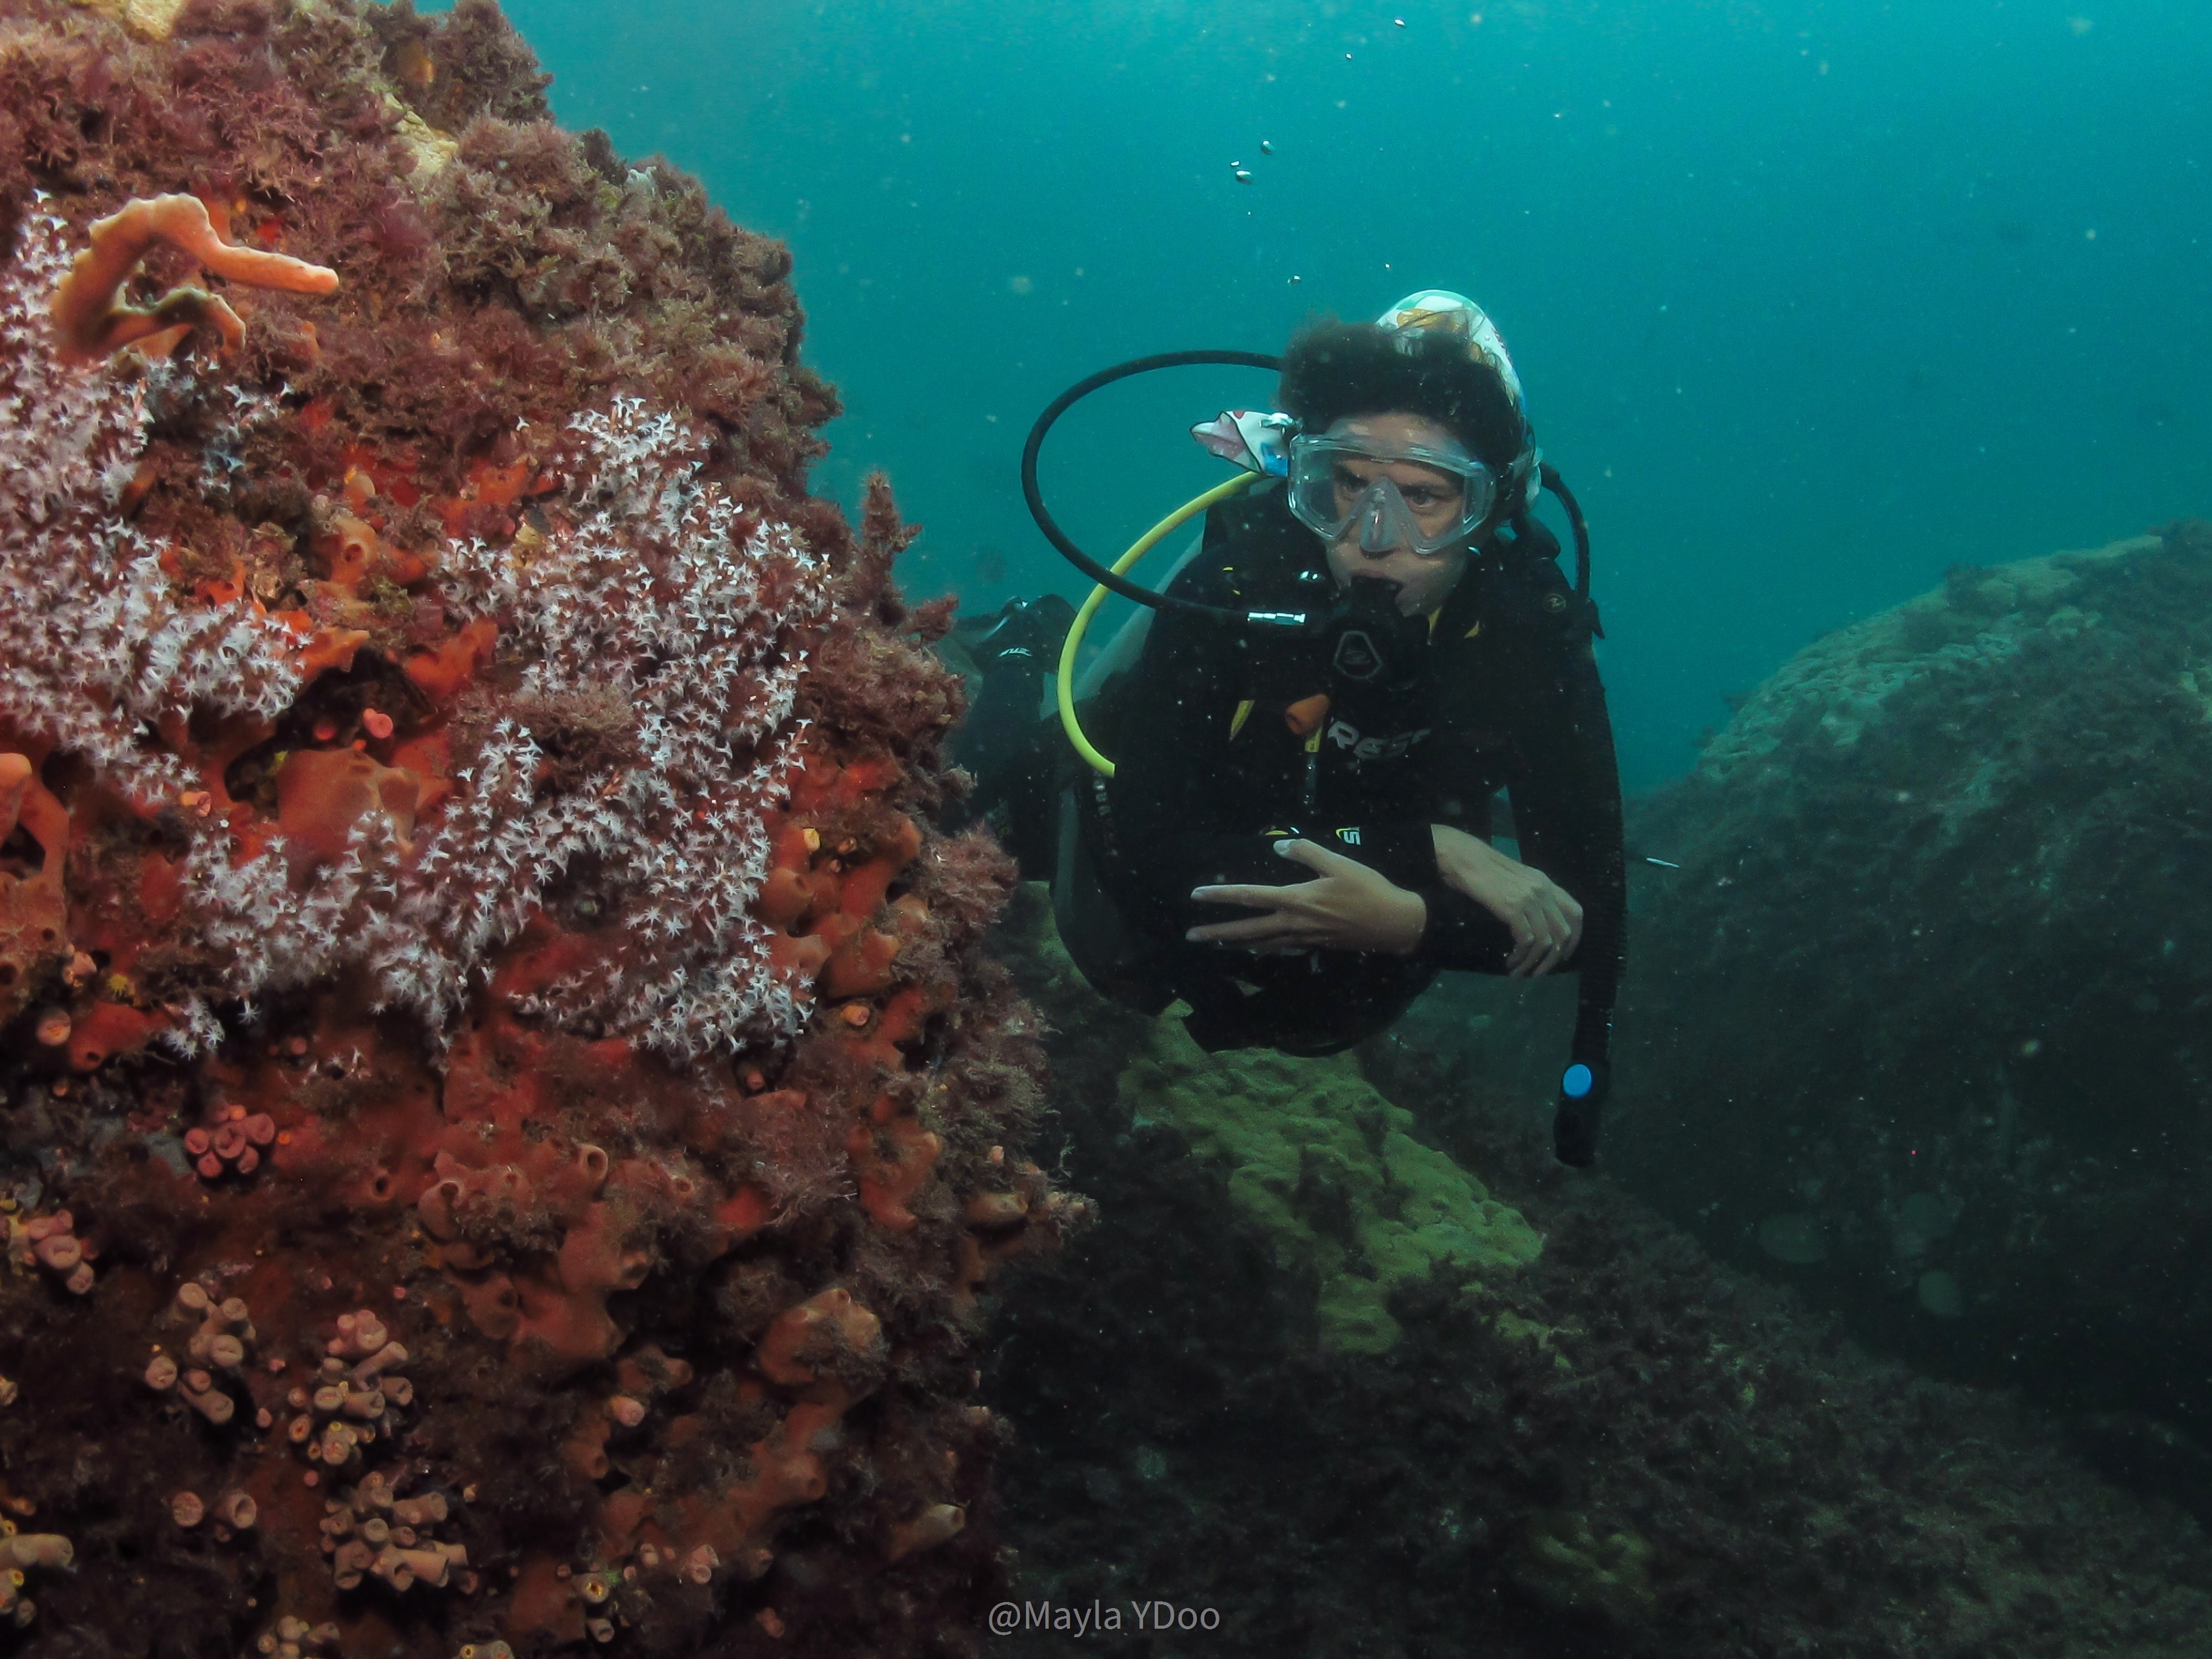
[[1408, 921]]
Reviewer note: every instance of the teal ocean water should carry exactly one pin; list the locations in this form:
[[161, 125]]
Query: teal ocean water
[[1812, 300]]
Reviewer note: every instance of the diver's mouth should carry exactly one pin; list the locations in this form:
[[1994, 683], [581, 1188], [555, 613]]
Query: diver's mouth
[[1378, 598]]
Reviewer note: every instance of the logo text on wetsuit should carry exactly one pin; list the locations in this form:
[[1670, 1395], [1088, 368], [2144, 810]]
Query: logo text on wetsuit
[[1346, 735]]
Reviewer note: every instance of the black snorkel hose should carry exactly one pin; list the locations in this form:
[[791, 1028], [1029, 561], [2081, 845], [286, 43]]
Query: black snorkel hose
[[1090, 567]]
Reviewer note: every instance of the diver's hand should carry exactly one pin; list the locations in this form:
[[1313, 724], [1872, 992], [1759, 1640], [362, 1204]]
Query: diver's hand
[[1348, 907], [1546, 922]]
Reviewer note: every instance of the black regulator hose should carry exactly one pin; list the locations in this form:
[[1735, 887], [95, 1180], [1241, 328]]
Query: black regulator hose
[[1558, 486], [1082, 560]]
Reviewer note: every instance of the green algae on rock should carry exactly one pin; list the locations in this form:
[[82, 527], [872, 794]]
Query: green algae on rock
[[1328, 1168], [1568, 1564]]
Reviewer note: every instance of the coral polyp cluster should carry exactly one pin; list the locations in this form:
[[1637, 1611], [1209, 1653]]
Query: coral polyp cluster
[[652, 634], [507, 1115]]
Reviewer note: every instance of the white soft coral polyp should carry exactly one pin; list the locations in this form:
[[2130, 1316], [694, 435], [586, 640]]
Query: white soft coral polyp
[[650, 591]]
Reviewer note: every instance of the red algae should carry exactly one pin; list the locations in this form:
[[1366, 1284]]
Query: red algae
[[507, 1105]]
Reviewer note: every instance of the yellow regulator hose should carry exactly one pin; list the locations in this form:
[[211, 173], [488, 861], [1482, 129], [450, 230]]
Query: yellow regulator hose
[[1064, 682]]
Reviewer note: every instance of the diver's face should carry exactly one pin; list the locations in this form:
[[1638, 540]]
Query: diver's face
[[1432, 495]]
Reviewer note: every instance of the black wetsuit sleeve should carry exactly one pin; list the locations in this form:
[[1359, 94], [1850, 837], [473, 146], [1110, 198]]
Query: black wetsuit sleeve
[[1565, 787], [1460, 934]]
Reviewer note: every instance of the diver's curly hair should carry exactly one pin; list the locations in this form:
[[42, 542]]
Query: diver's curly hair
[[1332, 369]]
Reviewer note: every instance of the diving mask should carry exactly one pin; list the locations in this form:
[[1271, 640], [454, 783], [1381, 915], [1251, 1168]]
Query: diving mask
[[1340, 484]]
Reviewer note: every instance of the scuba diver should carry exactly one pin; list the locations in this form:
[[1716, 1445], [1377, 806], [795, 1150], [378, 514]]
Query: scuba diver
[[1310, 725]]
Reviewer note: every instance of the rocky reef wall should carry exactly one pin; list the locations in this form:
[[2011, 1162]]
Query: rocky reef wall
[[506, 1116], [1922, 1020]]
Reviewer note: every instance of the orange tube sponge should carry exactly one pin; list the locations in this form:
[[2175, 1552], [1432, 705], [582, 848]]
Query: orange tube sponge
[[933, 1527], [802, 958], [37, 1549], [322, 792], [108, 1029], [88, 309], [995, 1210], [34, 908], [783, 897], [827, 1340], [894, 1163], [15, 773], [442, 674], [861, 966]]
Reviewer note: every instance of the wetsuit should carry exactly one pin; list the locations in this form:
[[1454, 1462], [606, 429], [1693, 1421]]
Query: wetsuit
[[1501, 692]]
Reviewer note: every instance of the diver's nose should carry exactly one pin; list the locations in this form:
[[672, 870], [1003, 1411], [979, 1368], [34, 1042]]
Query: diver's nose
[[1378, 538]]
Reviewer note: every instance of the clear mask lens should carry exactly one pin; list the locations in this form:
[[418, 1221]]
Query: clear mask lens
[[1338, 488]]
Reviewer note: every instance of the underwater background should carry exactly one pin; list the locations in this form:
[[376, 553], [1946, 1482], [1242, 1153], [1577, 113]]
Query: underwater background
[[526, 1129], [1813, 300]]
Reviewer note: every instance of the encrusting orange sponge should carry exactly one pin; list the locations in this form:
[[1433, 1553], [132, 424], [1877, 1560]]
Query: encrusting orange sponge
[[88, 309]]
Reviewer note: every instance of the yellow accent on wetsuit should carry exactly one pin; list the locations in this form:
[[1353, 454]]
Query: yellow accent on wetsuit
[[1064, 684]]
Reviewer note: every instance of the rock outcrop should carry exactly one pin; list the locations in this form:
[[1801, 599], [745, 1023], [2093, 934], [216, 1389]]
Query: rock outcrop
[[1924, 1019]]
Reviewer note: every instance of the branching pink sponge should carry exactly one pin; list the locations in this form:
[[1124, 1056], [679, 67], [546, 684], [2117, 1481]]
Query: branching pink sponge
[[87, 308]]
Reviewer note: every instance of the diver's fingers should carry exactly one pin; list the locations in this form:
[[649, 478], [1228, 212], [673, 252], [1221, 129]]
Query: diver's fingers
[[1556, 933], [1316, 857], [1256, 898], [1570, 922], [1536, 934], [1550, 957], [1574, 939], [1525, 942], [1246, 930]]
